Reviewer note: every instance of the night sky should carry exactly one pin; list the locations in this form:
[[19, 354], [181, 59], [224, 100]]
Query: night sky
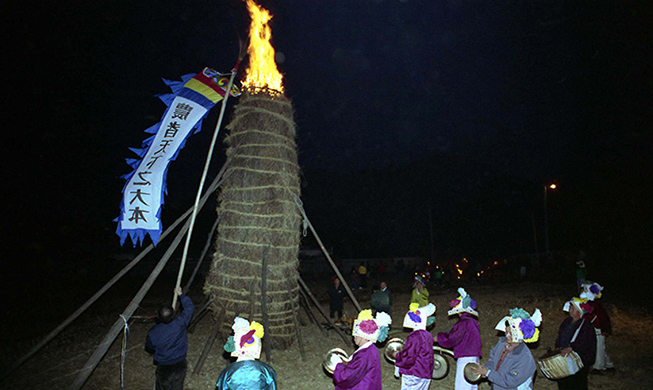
[[408, 112]]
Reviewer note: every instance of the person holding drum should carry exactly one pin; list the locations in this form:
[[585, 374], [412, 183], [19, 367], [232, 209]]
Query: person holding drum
[[511, 365], [247, 372], [415, 361], [464, 337], [576, 334], [363, 372]]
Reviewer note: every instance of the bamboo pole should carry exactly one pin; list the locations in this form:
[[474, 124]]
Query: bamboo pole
[[199, 314], [294, 314], [209, 342], [317, 304], [214, 186], [204, 173], [264, 308], [118, 326], [252, 298], [298, 202], [309, 312], [201, 258]]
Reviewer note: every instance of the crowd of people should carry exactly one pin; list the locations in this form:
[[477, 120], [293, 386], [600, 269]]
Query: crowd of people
[[510, 365]]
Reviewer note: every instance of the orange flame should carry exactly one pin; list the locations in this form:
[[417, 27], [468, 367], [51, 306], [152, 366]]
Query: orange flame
[[262, 71]]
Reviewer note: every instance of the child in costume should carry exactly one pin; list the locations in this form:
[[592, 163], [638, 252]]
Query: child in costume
[[247, 373], [363, 372], [415, 361], [464, 337], [511, 365], [601, 320]]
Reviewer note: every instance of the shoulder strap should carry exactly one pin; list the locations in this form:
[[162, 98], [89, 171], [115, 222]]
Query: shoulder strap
[[577, 330]]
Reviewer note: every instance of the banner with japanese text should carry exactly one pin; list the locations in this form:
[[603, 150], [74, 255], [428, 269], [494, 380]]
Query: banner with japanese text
[[142, 199]]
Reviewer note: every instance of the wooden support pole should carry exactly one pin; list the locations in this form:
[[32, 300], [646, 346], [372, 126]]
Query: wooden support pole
[[118, 326], [298, 202], [264, 309], [301, 304], [252, 300], [210, 341], [309, 312], [317, 304], [201, 258], [214, 186], [199, 314], [201, 185], [294, 315]]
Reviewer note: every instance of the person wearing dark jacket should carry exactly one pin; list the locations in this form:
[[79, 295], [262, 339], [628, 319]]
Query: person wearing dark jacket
[[168, 342], [381, 299], [336, 295], [577, 335]]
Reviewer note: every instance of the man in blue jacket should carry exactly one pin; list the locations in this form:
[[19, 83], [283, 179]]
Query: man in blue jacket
[[169, 343]]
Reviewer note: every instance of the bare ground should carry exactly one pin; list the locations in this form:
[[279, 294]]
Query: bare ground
[[55, 367]]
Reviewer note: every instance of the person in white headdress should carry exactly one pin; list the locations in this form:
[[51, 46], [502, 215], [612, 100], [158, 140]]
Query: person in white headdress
[[415, 361], [247, 373], [464, 337], [511, 365], [363, 371], [576, 334], [600, 319]]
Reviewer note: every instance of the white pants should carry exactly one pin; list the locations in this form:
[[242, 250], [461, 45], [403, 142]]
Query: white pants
[[461, 382], [409, 382], [602, 361]]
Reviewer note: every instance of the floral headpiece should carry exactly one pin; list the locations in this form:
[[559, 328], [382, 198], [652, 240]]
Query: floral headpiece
[[246, 341], [370, 328], [419, 279], [419, 317], [591, 291], [523, 326], [580, 303], [464, 303]]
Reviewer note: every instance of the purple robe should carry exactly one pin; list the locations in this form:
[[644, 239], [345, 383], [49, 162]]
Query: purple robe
[[416, 358], [464, 337], [363, 372]]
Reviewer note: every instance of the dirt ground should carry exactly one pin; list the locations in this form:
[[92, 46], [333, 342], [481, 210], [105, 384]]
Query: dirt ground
[[55, 366]]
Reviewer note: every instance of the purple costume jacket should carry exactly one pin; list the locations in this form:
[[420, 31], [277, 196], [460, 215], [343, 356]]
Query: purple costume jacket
[[363, 372], [416, 358], [464, 337]]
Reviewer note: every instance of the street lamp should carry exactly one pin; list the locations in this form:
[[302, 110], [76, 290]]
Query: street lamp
[[547, 187]]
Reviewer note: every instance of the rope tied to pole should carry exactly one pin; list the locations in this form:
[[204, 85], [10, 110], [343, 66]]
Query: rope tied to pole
[[123, 353], [300, 206]]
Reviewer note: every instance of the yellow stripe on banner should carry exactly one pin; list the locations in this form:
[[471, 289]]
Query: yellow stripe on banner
[[204, 89]]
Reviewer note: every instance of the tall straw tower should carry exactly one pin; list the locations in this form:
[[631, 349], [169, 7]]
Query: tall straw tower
[[259, 220]]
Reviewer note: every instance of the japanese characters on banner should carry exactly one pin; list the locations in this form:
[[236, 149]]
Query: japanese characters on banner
[[142, 198]]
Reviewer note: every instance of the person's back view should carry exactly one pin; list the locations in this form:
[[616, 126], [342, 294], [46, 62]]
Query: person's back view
[[168, 342]]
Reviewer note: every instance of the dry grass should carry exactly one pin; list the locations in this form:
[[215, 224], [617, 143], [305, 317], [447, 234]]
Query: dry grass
[[258, 216], [631, 347]]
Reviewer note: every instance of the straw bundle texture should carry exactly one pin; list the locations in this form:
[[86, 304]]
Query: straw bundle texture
[[258, 211]]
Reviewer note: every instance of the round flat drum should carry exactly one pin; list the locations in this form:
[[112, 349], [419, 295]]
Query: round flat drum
[[471, 376], [440, 366]]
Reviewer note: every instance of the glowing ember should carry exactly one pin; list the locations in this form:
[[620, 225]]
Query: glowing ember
[[262, 71]]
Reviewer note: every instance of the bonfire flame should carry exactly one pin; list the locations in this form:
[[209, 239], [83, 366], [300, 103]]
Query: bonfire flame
[[262, 72]]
